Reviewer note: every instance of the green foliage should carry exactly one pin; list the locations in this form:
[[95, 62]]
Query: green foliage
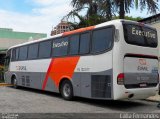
[[85, 22], [129, 18], [99, 11]]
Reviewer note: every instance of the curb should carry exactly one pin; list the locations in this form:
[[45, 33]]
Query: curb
[[155, 98], [5, 84], [151, 100]]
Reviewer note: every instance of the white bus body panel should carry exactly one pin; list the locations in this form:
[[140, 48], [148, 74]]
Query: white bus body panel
[[121, 48], [31, 66]]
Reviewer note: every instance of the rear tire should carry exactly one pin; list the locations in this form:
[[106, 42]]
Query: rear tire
[[66, 90]]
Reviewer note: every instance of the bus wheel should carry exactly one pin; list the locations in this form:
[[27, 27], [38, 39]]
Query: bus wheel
[[15, 82], [66, 90]]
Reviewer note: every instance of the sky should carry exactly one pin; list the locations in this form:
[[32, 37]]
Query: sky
[[39, 16]]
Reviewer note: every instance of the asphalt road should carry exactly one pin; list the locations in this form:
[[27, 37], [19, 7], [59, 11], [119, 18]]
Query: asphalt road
[[26, 100]]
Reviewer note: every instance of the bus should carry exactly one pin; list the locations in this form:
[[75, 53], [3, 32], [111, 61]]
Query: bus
[[114, 60]]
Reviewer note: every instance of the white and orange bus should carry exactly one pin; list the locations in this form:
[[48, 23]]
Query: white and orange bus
[[113, 60]]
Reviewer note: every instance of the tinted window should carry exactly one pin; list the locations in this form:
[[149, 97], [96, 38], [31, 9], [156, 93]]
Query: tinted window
[[60, 46], [140, 35], [45, 49], [17, 53], [33, 51], [74, 44], [23, 53], [13, 54], [84, 43], [7, 60], [102, 39]]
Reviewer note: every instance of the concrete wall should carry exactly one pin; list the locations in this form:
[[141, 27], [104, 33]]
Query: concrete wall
[[9, 38], [6, 43]]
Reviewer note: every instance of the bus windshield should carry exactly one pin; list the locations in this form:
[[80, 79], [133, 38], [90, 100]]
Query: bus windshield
[[140, 35]]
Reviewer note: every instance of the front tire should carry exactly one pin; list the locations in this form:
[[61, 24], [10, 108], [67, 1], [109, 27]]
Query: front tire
[[66, 90], [15, 83]]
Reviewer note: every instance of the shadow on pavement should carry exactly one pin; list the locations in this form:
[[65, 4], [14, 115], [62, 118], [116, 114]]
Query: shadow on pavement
[[112, 104]]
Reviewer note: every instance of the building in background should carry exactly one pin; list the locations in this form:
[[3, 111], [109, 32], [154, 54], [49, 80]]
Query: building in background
[[63, 26], [8, 38], [152, 20]]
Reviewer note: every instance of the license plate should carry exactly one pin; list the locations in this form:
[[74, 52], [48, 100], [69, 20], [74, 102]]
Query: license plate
[[143, 85]]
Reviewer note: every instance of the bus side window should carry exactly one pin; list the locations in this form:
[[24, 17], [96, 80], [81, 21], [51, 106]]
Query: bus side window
[[45, 49], [60, 47], [13, 54], [33, 51], [23, 53], [74, 45], [84, 43], [102, 39], [17, 53], [7, 60]]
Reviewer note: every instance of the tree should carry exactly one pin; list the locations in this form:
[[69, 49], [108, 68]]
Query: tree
[[90, 5], [76, 25], [106, 8], [125, 5], [83, 21], [94, 7], [94, 14], [130, 18], [99, 11], [152, 5]]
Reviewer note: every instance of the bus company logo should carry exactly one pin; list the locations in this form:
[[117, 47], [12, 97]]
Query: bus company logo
[[21, 68], [147, 34], [142, 62], [61, 44]]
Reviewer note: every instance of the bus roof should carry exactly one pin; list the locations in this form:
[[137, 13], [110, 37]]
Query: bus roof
[[74, 31]]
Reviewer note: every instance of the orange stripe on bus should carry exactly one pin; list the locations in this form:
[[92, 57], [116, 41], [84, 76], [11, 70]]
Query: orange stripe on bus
[[78, 30], [47, 75], [61, 68]]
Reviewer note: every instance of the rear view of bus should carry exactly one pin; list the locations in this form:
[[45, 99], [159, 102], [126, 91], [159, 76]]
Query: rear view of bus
[[135, 62]]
